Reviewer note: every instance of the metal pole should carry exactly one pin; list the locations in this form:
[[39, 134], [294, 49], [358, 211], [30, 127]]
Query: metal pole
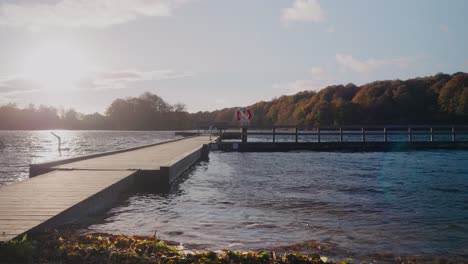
[[363, 135], [274, 134], [59, 141], [410, 134], [385, 134], [318, 134], [432, 134], [341, 134]]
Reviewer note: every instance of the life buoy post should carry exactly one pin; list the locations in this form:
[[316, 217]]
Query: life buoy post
[[244, 134], [243, 116]]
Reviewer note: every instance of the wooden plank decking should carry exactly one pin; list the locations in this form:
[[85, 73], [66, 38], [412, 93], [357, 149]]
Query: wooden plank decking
[[25, 205], [151, 158], [81, 188]]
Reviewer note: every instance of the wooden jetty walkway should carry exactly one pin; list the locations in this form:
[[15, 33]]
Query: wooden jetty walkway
[[345, 138], [65, 191]]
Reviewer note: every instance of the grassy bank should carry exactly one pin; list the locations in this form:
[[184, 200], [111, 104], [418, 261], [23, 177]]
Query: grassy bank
[[105, 248], [57, 247]]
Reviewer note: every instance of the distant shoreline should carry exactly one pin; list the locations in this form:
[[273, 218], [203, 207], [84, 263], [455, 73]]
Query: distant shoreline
[[438, 99]]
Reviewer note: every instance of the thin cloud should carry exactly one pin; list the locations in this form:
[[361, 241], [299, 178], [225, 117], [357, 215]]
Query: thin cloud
[[318, 73], [366, 66], [16, 84], [299, 86], [82, 13], [104, 80], [220, 101], [318, 80], [303, 11], [121, 79]]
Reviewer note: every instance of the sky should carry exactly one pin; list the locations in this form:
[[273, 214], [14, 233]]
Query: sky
[[212, 54]]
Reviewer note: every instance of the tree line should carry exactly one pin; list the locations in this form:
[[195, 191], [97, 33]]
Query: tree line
[[438, 99], [146, 112]]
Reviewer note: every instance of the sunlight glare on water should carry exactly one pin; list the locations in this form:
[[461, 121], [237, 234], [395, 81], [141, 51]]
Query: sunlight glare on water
[[355, 204], [22, 148]]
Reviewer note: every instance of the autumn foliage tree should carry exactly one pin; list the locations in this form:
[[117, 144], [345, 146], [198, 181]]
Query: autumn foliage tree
[[441, 98]]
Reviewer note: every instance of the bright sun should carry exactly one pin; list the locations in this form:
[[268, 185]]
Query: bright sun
[[55, 65]]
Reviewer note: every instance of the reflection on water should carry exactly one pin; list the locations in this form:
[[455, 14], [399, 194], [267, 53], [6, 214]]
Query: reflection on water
[[411, 203], [401, 203], [21, 148]]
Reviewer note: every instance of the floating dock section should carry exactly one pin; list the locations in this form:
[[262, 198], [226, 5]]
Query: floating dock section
[[67, 191]]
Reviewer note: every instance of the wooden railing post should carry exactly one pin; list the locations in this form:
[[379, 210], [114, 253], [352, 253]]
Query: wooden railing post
[[244, 135], [296, 135], [427, 133], [318, 134], [453, 133]]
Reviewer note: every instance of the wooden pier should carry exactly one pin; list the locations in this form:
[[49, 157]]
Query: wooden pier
[[345, 138], [68, 191]]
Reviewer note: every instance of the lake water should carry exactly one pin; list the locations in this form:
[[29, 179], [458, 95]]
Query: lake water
[[408, 203], [18, 149], [351, 204]]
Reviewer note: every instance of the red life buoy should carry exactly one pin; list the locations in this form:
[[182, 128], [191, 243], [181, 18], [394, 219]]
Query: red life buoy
[[238, 115], [244, 115], [249, 113]]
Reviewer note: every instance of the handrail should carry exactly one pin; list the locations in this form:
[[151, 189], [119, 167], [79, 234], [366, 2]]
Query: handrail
[[357, 127], [363, 132], [59, 142]]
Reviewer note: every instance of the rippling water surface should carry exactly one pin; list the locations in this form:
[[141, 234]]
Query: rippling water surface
[[355, 204], [18, 149], [409, 203]]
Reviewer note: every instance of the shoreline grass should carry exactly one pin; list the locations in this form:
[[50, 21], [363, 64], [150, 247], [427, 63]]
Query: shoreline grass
[[105, 248], [56, 247]]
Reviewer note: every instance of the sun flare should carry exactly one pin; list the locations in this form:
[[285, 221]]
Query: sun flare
[[55, 65]]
